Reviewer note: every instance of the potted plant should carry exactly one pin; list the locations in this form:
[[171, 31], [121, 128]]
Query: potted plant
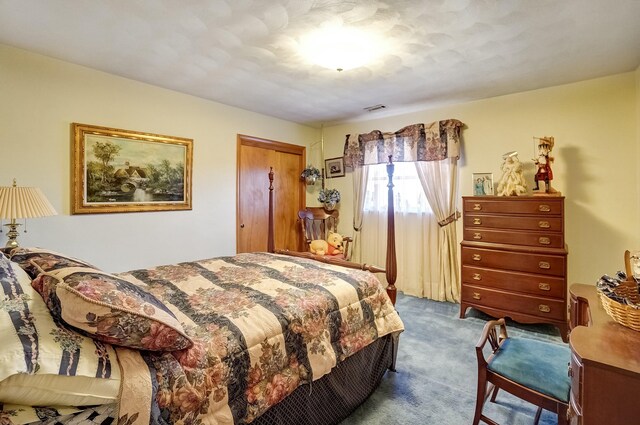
[[329, 198], [310, 174]]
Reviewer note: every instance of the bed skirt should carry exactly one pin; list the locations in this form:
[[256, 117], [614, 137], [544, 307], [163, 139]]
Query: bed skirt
[[326, 401], [335, 396]]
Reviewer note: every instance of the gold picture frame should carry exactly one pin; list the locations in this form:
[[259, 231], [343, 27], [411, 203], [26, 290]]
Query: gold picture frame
[[121, 171]]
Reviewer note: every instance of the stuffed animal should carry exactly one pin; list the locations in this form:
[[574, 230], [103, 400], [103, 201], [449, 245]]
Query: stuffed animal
[[332, 246]]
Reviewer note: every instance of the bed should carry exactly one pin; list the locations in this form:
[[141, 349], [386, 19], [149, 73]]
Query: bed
[[262, 338]]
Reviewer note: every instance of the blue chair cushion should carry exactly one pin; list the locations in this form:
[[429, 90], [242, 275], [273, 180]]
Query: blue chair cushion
[[541, 366]]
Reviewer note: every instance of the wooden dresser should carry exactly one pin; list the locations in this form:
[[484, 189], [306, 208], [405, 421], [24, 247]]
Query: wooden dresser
[[605, 364], [514, 259]]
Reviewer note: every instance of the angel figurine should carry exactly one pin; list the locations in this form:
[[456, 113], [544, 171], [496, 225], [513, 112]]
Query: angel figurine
[[512, 182]]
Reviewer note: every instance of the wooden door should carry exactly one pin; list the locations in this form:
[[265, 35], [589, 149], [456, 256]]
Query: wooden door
[[255, 157]]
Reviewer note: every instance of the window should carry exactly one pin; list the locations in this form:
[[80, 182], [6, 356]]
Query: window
[[408, 193]]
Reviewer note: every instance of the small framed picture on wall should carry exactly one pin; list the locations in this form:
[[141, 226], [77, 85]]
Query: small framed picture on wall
[[482, 184], [334, 167]]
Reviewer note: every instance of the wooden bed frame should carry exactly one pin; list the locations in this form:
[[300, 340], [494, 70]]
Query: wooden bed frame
[[390, 271]]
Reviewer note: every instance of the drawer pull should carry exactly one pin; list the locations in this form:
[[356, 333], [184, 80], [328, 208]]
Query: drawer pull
[[544, 308], [476, 257], [477, 207], [476, 296], [544, 208], [544, 286], [543, 224], [544, 240], [544, 265], [569, 372], [477, 221], [477, 236], [477, 276]]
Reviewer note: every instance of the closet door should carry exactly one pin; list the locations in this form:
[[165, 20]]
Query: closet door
[[255, 157]]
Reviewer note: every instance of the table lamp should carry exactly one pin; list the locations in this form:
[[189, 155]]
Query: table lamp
[[22, 202]]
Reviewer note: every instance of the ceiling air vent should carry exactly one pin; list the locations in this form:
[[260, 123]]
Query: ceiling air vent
[[374, 108]]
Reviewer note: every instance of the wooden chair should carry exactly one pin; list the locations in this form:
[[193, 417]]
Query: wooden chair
[[532, 370], [316, 223]]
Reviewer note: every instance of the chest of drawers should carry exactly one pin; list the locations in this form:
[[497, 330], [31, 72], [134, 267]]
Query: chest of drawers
[[605, 364], [514, 259]]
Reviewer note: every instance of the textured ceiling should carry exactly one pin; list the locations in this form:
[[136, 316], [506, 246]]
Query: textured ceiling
[[244, 52]]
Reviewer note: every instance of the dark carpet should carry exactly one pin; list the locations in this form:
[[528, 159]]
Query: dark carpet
[[436, 377]]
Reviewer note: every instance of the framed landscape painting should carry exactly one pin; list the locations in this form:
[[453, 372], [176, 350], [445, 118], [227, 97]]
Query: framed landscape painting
[[118, 170]]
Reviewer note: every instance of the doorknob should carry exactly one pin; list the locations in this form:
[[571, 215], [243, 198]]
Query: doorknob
[[242, 226]]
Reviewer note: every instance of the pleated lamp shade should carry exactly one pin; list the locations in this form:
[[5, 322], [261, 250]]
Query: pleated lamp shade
[[24, 202]]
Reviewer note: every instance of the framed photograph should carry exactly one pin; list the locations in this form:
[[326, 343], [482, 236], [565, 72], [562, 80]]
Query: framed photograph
[[334, 167], [121, 171], [482, 184]]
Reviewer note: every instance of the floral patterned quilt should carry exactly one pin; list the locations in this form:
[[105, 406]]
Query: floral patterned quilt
[[262, 324]]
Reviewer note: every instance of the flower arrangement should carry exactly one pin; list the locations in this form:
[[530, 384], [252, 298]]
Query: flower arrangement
[[329, 197], [310, 172]]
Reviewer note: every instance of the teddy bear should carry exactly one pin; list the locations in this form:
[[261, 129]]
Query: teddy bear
[[332, 246]]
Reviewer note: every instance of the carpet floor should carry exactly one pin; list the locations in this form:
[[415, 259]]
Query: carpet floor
[[436, 377]]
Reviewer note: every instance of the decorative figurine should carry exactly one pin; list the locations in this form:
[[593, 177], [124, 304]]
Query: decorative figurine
[[543, 162], [512, 182]]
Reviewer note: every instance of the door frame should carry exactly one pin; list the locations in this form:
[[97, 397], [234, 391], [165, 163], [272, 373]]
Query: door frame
[[258, 142]]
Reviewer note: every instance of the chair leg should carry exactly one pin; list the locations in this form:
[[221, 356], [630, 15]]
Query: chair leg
[[537, 418], [494, 394], [480, 397], [562, 415]]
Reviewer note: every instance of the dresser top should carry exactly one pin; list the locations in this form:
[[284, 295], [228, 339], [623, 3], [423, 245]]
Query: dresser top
[[604, 341], [513, 198]]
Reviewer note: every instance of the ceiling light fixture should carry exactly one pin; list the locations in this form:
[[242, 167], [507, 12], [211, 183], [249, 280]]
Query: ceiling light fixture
[[341, 48]]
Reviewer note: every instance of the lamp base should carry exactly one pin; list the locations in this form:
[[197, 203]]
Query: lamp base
[[12, 235]]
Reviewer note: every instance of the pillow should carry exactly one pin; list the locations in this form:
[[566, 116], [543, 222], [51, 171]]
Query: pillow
[[36, 260], [42, 363], [110, 309]]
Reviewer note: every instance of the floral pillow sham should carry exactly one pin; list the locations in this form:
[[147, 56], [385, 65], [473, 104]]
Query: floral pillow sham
[[110, 309], [43, 363], [36, 260]]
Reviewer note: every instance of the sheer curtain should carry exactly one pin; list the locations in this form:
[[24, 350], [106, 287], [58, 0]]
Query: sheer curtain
[[425, 157], [425, 241], [439, 180], [416, 229], [360, 178]]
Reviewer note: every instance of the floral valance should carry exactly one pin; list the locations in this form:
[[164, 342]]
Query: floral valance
[[418, 142]]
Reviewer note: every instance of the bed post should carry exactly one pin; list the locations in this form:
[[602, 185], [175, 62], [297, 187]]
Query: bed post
[[392, 272], [391, 267], [271, 246]]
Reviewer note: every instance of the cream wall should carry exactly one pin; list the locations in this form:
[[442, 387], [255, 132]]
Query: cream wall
[[595, 124], [638, 130], [41, 97]]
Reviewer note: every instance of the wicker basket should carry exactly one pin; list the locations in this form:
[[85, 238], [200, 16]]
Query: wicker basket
[[622, 313]]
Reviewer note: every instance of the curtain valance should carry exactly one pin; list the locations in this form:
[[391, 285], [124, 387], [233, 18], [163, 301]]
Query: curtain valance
[[418, 142]]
